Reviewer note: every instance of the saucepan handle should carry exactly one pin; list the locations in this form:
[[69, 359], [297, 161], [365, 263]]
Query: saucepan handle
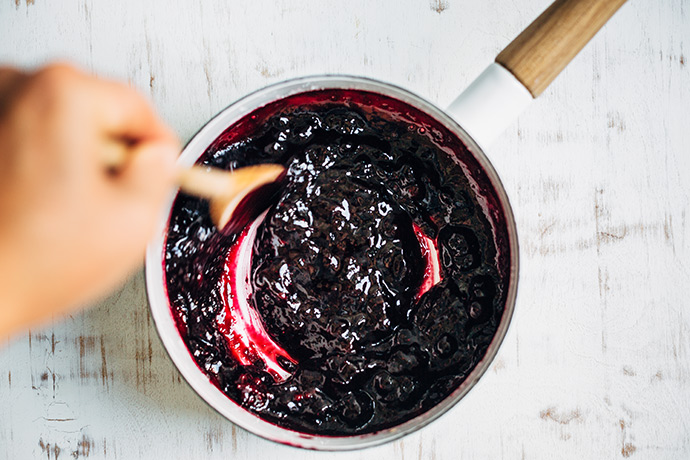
[[528, 65]]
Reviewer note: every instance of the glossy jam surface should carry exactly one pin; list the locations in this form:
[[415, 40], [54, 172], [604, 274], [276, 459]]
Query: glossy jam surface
[[373, 285]]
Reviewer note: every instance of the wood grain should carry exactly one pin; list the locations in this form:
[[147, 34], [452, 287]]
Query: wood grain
[[596, 364], [548, 44]]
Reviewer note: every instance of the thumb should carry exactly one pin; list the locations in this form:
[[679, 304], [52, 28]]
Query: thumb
[[150, 172]]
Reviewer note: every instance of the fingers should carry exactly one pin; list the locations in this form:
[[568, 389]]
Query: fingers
[[127, 117], [111, 113], [82, 115], [126, 114], [144, 184], [119, 111], [151, 171], [9, 77], [10, 80], [138, 195]]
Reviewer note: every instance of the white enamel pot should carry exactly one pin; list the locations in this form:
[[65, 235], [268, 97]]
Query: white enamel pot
[[481, 112]]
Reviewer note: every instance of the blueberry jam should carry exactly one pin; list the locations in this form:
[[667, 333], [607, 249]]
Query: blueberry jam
[[371, 287]]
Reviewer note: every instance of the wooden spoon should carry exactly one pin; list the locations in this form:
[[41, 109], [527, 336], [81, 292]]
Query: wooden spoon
[[227, 191]]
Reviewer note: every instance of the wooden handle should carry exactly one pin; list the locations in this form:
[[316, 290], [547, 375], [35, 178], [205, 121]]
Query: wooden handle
[[197, 180], [216, 184], [542, 51]]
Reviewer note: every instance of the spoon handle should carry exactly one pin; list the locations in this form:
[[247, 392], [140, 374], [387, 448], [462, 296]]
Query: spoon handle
[[543, 50], [202, 181], [213, 183]]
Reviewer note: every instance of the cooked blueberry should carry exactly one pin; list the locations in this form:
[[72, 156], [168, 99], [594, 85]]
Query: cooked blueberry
[[482, 293], [446, 345], [356, 409], [405, 360], [460, 251]]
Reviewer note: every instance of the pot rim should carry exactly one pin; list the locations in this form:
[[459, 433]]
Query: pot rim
[[162, 312]]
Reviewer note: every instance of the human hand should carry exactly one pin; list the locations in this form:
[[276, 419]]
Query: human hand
[[70, 230]]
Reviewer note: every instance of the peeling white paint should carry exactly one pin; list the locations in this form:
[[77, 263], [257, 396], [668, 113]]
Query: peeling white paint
[[596, 364]]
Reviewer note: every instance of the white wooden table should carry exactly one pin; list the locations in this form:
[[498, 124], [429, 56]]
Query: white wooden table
[[597, 361]]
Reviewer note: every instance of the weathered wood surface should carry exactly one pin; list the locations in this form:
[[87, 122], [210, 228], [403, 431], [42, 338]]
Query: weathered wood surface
[[596, 363]]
